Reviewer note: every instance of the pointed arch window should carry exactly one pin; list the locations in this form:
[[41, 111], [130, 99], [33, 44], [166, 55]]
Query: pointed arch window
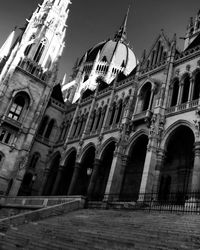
[[119, 112], [113, 113], [186, 88], [29, 47], [40, 51], [175, 90], [146, 96], [19, 104], [43, 125], [49, 129], [196, 90], [34, 160]]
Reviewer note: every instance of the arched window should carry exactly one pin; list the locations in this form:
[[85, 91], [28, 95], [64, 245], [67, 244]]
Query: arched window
[[28, 49], [43, 125], [119, 112], [175, 91], [196, 91], [39, 51], [20, 103], [113, 113], [99, 118], [93, 119], [49, 129], [145, 96], [186, 88], [34, 160]]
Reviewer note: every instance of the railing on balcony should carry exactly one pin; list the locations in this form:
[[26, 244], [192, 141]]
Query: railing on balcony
[[183, 106], [11, 121]]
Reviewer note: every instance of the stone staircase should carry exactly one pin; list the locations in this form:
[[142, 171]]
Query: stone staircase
[[107, 229]]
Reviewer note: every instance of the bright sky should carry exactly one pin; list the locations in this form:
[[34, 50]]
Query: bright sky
[[91, 21]]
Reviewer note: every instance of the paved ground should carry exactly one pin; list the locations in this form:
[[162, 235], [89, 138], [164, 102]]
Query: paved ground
[[108, 230]]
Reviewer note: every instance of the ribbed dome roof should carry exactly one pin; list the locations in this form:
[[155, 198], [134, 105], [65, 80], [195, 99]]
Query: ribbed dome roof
[[119, 51]]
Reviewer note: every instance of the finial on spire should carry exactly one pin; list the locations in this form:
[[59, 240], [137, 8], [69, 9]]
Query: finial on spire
[[121, 34]]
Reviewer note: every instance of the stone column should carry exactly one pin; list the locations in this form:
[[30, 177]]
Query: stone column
[[191, 89], [180, 93], [116, 176], [58, 180], [158, 168], [96, 167], [151, 99], [195, 185], [74, 178], [44, 182], [148, 172]]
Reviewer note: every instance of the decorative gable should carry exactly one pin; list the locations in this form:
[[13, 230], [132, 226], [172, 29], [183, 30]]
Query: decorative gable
[[157, 54]]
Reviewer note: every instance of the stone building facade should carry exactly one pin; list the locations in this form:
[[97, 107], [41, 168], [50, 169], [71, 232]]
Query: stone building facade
[[28, 82], [138, 133]]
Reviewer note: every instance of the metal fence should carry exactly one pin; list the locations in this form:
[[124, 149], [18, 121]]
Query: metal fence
[[184, 202]]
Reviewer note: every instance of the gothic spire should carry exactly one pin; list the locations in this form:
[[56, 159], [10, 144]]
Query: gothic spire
[[121, 34], [5, 49]]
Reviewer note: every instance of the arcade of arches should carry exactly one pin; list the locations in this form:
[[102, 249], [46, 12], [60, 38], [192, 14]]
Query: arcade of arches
[[90, 176], [176, 172]]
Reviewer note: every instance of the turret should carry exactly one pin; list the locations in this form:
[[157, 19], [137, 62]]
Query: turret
[[193, 30]]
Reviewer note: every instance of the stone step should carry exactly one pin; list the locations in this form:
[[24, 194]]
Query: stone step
[[98, 229]]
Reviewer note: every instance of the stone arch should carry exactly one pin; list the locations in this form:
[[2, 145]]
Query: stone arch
[[148, 80], [134, 138], [67, 171], [195, 72], [134, 167], [106, 159], [144, 99], [176, 170], [86, 168], [184, 75], [84, 150], [69, 151], [105, 144], [172, 127], [19, 105]]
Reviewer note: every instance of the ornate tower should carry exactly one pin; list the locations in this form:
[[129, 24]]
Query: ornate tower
[[193, 30], [26, 83], [42, 40]]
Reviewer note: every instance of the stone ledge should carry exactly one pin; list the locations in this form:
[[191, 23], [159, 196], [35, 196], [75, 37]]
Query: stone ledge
[[41, 214]]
